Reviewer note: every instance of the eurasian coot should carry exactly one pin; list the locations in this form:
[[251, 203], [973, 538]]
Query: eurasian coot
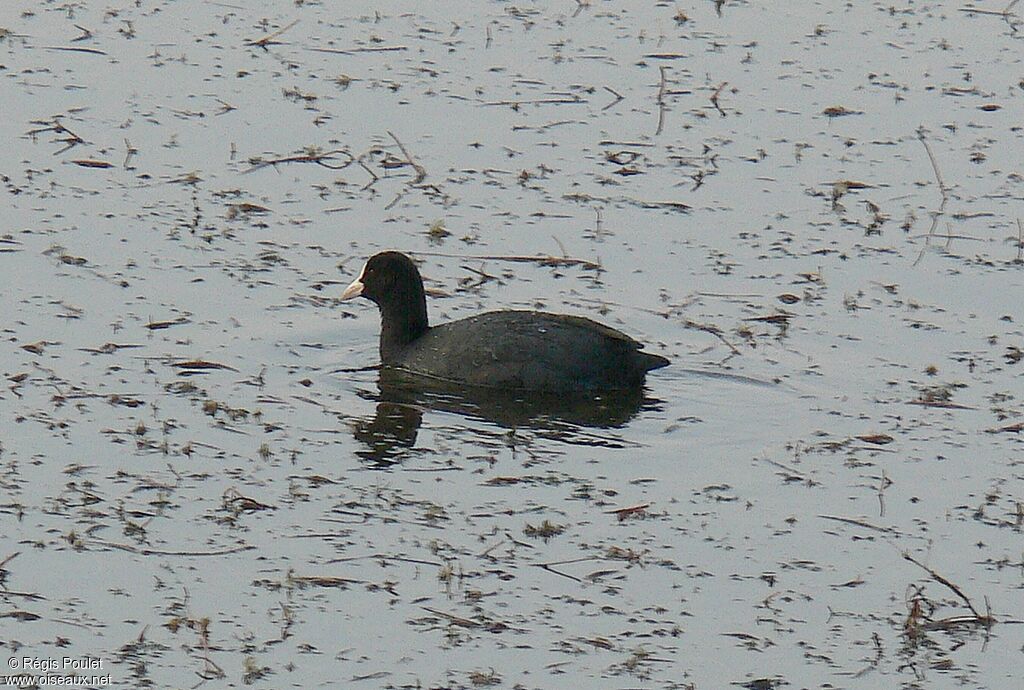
[[512, 350]]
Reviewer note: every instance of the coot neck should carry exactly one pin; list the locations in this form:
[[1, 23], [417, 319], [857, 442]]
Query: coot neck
[[402, 321]]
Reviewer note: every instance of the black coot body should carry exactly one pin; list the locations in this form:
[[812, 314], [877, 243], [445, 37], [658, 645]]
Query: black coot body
[[513, 350]]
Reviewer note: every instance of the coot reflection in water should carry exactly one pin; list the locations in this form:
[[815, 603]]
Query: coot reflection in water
[[403, 399]]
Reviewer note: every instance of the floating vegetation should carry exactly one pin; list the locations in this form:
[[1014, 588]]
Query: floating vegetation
[[814, 211]]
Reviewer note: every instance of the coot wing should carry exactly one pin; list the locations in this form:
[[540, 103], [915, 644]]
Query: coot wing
[[531, 351]]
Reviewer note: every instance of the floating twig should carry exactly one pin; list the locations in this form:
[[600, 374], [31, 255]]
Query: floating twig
[[57, 127], [421, 172], [568, 100], [541, 128], [618, 97], [943, 190], [835, 111], [629, 511], [268, 40], [86, 34], [791, 472], [860, 523], [1006, 14], [661, 101], [76, 49], [944, 404], [199, 364], [550, 567], [482, 280], [161, 325], [351, 51], [452, 618], [552, 261], [935, 165], [92, 163], [642, 203], [130, 151], [1020, 241], [713, 330], [374, 177], [883, 484], [163, 552], [716, 94], [952, 587], [977, 10], [311, 155], [385, 557], [1014, 428], [948, 236]]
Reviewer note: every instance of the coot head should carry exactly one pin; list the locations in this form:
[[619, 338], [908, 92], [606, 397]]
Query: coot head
[[392, 281]]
